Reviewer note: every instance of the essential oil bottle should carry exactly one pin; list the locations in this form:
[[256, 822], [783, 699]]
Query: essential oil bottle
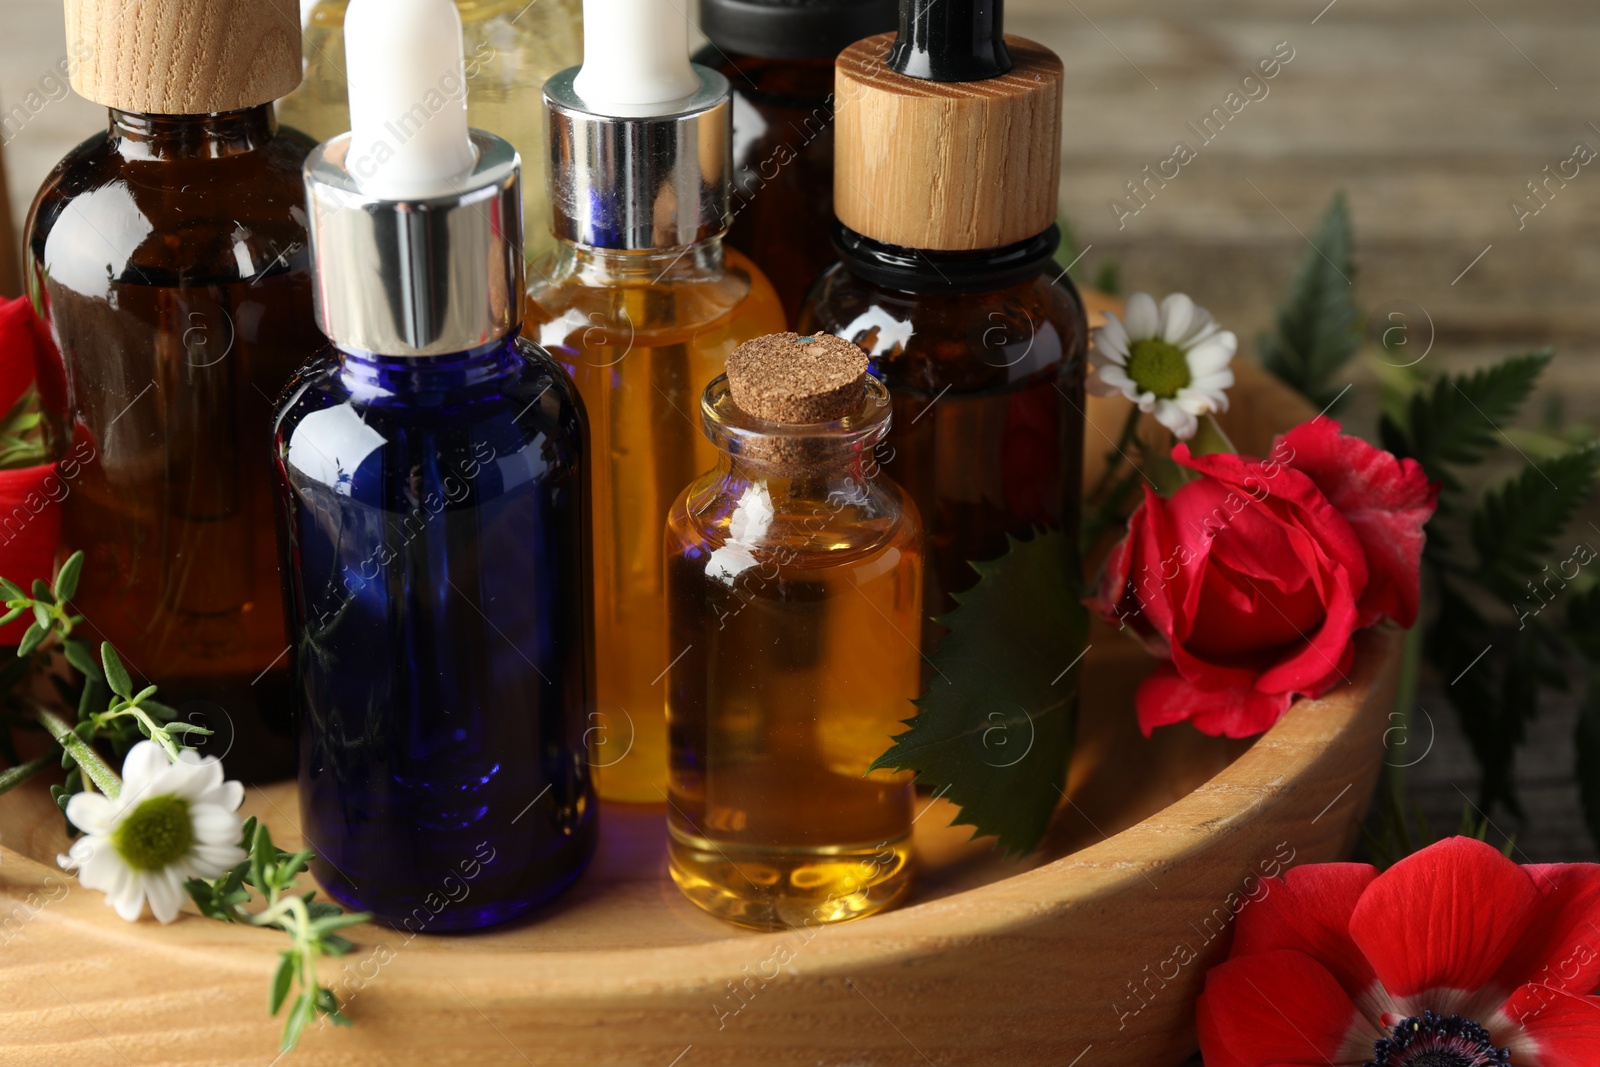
[[643, 304], [778, 57], [432, 490], [169, 257], [512, 46], [948, 153], [794, 577]]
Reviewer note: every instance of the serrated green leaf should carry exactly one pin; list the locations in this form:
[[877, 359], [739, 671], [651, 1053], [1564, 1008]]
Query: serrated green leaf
[[280, 982], [67, 576], [1319, 328], [1458, 420], [116, 674], [1515, 526], [994, 727]]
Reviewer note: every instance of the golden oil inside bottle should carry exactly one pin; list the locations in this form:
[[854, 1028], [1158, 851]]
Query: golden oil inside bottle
[[798, 607]]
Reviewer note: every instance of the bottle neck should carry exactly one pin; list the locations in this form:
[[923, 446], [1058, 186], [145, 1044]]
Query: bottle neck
[[923, 270], [162, 137], [604, 267], [371, 377]]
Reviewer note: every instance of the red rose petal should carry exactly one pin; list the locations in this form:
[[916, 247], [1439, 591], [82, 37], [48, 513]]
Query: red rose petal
[[1386, 500], [1167, 697], [1560, 1029], [1444, 918], [1277, 1008], [1561, 946], [19, 337], [30, 533], [1308, 910]]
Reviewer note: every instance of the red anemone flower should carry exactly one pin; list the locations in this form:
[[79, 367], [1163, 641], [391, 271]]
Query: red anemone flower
[[1454, 957], [30, 512]]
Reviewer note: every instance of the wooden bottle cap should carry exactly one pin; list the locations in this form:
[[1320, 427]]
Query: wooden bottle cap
[[948, 166], [183, 57], [784, 377]]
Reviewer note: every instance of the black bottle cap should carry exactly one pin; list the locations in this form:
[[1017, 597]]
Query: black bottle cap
[[793, 29], [951, 40]]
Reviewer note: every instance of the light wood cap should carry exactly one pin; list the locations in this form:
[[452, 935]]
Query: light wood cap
[[953, 166], [183, 57], [784, 377]]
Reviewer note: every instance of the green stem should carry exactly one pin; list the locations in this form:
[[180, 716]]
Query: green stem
[[1114, 458], [1210, 440], [99, 772], [12, 777], [1405, 696]]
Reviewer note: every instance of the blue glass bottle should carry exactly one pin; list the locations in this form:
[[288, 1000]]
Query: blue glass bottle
[[433, 512]]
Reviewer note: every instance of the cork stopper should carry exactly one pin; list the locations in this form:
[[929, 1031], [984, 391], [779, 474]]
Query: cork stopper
[[947, 165], [784, 377], [183, 57]]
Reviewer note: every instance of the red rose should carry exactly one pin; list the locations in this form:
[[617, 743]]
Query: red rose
[[1453, 956], [30, 515], [1253, 577]]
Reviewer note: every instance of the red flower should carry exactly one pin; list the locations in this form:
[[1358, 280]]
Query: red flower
[[1454, 956], [30, 516], [1253, 578]]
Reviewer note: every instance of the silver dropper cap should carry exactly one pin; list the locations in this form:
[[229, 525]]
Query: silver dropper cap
[[425, 277], [655, 179]]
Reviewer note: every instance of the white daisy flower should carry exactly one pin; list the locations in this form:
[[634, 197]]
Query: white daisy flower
[[1172, 360], [170, 822]]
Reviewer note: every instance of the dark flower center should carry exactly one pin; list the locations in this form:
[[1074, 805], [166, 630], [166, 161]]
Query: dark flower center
[[1430, 1040], [1158, 366]]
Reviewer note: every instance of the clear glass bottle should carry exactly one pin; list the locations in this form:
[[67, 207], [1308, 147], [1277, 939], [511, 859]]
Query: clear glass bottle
[[641, 305], [512, 46], [795, 589], [169, 256], [433, 533], [778, 56]]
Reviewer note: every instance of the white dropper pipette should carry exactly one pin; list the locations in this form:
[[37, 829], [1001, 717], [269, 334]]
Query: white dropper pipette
[[635, 54], [408, 98]]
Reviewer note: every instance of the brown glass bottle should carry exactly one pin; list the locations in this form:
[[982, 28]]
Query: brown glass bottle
[[170, 257], [988, 401], [778, 57]]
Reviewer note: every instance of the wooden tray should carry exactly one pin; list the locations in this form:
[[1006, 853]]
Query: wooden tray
[[1090, 952]]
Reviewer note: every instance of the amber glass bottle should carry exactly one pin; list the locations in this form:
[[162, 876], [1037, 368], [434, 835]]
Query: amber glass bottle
[[642, 306], [511, 47], [778, 57], [951, 288], [793, 572], [169, 255]]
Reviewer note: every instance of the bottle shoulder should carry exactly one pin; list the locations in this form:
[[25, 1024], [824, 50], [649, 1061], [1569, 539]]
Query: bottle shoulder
[[973, 339], [190, 221]]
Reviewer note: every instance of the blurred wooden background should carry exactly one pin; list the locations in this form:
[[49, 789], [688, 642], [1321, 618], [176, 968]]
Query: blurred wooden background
[[1431, 115]]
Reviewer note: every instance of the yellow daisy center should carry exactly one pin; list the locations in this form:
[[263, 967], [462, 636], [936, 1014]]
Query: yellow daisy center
[[155, 834], [1158, 367]]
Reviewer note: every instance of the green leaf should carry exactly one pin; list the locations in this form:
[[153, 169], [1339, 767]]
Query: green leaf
[[304, 1010], [41, 592], [13, 591], [82, 659], [31, 638], [280, 981], [994, 727], [1515, 526], [334, 945], [1319, 328], [1458, 421], [67, 576], [116, 674]]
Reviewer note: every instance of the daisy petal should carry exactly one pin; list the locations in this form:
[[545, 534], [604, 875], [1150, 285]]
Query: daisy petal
[[141, 767], [1212, 354], [1488, 900], [1182, 424], [1177, 317], [1143, 320], [1112, 340], [165, 895], [93, 813], [1280, 1008]]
